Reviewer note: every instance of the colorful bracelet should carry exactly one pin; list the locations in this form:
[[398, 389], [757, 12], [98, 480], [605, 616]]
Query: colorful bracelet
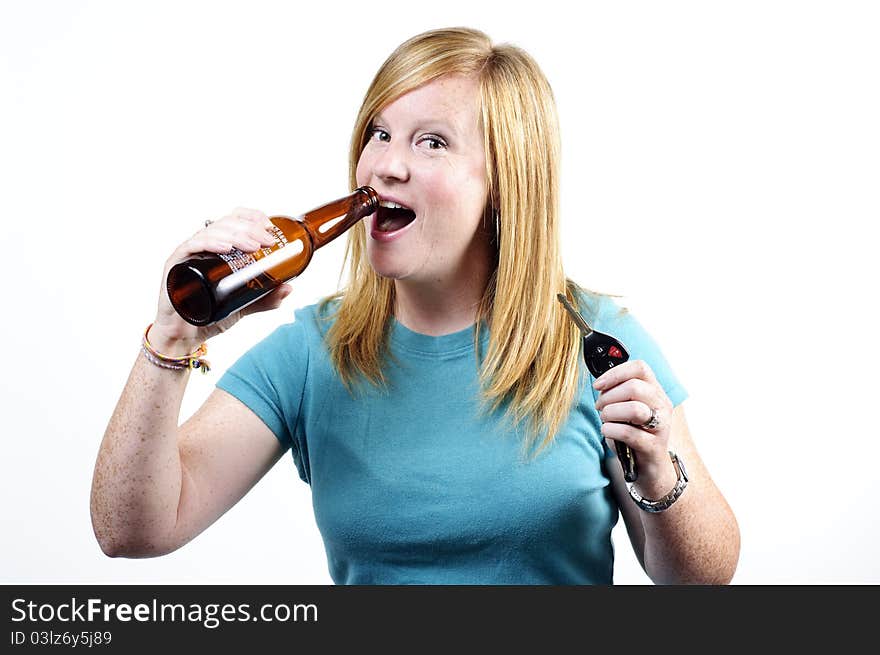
[[191, 361]]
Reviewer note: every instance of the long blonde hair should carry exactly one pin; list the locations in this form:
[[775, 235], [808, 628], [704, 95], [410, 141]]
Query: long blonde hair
[[531, 359]]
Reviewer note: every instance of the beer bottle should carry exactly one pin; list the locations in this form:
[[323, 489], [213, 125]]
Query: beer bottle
[[208, 287]]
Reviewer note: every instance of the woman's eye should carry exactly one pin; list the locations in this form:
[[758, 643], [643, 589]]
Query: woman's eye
[[434, 143], [380, 135]]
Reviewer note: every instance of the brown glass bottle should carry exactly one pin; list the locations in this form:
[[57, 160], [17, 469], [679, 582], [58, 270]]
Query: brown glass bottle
[[208, 287]]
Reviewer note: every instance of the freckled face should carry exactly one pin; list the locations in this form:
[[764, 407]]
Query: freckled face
[[426, 153]]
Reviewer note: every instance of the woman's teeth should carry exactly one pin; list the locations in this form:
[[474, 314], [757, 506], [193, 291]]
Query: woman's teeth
[[393, 216], [391, 205]]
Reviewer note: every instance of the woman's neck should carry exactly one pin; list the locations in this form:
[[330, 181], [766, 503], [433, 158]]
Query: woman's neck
[[441, 307], [435, 314]]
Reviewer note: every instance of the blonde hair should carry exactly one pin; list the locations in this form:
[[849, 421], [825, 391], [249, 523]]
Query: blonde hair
[[532, 356]]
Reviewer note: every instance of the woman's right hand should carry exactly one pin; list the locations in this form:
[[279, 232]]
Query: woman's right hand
[[245, 229]]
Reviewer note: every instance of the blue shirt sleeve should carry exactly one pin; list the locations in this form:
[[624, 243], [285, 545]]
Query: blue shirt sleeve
[[606, 315], [270, 380]]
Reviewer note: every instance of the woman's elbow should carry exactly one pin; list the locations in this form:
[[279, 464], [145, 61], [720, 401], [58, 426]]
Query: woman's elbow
[[132, 549], [114, 542]]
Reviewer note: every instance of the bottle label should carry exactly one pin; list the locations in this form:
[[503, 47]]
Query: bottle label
[[237, 259], [280, 237]]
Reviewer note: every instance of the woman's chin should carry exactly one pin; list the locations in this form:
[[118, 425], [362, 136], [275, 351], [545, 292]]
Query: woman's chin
[[387, 271]]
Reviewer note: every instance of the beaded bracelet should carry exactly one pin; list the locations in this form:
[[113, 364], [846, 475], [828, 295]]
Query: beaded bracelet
[[191, 361]]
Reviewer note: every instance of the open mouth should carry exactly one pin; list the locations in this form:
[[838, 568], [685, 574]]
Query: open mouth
[[392, 216]]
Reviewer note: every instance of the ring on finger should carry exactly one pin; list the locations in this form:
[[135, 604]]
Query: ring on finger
[[652, 422]]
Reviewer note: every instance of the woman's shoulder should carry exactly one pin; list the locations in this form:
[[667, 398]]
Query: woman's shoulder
[[599, 308], [608, 314], [315, 319], [310, 322]]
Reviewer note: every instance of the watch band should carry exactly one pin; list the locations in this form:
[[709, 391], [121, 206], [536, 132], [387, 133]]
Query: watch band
[[664, 503]]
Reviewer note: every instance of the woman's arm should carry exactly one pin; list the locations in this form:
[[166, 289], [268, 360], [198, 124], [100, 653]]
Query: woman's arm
[[157, 485], [696, 540]]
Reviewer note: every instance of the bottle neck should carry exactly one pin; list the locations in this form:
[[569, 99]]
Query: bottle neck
[[331, 220]]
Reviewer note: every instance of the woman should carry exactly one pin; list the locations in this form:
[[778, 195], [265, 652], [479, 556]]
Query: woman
[[438, 406]]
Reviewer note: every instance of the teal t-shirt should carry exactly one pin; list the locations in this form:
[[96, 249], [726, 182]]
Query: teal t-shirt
[[412, 485]]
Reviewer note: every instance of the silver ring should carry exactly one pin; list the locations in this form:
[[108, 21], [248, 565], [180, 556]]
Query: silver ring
[[208, 221], [652, 422]]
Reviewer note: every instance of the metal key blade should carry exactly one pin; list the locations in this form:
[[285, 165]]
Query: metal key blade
[[575, 316]]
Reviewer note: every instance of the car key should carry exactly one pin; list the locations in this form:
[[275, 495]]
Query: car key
[[603, 352]]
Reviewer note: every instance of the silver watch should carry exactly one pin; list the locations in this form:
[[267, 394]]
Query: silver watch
[[664, 503]]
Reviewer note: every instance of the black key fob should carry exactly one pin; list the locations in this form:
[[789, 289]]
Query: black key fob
[[602, 352]]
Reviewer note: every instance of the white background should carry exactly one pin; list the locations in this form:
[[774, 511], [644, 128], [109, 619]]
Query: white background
[[721, 173]]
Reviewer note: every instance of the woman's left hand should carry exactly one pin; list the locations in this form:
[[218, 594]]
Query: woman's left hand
[[630, 398]]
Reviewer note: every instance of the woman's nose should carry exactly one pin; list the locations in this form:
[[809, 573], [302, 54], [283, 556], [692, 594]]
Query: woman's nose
[[391, 163]]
